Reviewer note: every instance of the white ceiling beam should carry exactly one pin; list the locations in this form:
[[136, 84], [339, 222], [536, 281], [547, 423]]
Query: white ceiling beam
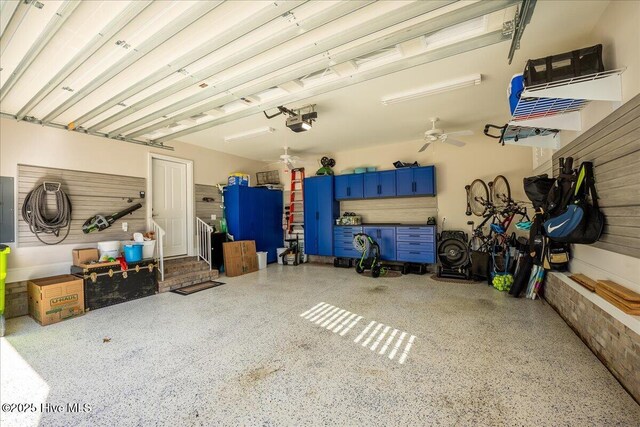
[[317, 20], [261, 18], [180, 23], [99, 40], [292, 85], [346, 36], [62, 14], [433, 25], [100, 134], [7, 10], [434, 55], [345, 69]]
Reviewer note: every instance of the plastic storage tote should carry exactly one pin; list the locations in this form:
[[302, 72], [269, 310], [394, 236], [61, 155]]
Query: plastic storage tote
[[4, 251]]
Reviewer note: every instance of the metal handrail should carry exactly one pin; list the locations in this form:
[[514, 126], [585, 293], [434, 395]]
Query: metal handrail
[[159, 250], [204, 241]]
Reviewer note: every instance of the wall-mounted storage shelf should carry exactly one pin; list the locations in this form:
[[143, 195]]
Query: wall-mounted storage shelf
[[531, 137], [557, 105]]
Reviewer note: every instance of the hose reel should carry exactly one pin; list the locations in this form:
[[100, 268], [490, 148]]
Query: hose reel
[[34, 211]]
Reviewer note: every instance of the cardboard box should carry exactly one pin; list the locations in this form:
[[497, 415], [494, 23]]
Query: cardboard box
[[54, 299], [85, 255], [240, 257]]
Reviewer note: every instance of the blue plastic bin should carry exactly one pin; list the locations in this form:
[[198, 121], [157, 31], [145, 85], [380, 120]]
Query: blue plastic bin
[[133, 253]]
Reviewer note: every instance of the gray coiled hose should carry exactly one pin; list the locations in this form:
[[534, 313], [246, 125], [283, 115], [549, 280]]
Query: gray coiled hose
[[34, 213]]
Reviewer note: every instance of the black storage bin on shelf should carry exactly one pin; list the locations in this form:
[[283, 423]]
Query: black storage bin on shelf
[[107, 285], [576, 63]]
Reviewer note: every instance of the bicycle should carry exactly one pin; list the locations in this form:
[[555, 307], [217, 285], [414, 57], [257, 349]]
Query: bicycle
[[493, 202]]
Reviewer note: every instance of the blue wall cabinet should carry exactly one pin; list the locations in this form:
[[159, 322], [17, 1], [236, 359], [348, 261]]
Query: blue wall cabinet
[[320, 211], [255, 213], [419, 181], [386, 238], [380, 184], [349, 186]]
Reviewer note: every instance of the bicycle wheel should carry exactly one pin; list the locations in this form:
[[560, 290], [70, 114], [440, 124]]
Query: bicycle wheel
[[478, 197], [500, 191]]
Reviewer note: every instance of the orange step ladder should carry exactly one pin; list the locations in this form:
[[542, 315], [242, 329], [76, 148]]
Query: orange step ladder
[[295, 224]]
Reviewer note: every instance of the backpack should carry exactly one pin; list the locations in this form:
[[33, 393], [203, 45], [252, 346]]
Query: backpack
[[581, 221]]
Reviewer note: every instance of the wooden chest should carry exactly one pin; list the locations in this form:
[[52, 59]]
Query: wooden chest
[[106, 285]]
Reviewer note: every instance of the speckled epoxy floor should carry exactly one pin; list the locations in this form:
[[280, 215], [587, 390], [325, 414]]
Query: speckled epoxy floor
[[240, 354]]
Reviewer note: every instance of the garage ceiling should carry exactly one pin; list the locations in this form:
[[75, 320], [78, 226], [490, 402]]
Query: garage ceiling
[[157, 71]]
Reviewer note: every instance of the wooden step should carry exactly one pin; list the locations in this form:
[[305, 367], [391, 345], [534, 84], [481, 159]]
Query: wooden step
[[173, 269], [187, 279]]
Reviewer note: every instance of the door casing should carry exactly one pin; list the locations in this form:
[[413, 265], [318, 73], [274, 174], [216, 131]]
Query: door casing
[[190, 196]]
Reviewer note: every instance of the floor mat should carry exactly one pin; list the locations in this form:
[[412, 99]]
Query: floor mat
[[192, 289]]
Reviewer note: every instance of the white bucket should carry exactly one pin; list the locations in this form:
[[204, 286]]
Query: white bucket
[[279, 252], [110, 249], [262, 260]]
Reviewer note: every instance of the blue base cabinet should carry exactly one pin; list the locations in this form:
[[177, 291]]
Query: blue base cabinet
[[343, 241], [416, 244], [320, 211], [255, 213], [386, 238]]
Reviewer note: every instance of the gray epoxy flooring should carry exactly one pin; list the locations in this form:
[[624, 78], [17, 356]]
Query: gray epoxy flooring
[[241, 354]]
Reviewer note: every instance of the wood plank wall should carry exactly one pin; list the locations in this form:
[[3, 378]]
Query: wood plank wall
[[613, 145], [90, 194], [204, 210], [396, 210]]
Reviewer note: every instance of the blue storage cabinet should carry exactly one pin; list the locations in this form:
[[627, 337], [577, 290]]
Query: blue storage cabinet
[[349, 186], [380, 184], [419, 181], [320, 211], [416, 244], [255, 213], [343, 241], [386, 238]]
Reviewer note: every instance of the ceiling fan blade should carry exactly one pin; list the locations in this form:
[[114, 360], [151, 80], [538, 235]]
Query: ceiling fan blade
[[455, 142], [461, 133], [424, 147]]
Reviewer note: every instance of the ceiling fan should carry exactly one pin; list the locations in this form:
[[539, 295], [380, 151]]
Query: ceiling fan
[[434, 134], [287, 159]]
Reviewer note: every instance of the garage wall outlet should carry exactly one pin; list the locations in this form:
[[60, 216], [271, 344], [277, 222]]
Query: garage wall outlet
[[214, 216], [125, 226]]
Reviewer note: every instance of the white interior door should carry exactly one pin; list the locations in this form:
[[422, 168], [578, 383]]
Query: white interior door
[[169, 204]]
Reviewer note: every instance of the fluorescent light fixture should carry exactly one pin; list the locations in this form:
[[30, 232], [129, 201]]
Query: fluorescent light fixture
[[433, 89], [249, 134]]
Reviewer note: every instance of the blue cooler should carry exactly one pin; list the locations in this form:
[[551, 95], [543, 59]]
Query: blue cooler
[[515, 90]]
